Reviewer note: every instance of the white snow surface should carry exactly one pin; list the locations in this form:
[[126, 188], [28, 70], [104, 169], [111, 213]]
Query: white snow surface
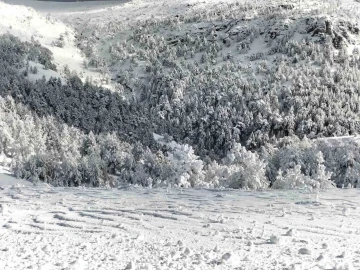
[[137, 228]]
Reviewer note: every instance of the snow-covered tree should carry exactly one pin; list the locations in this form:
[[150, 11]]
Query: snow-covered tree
[[244, 170], [293, 179], [187, 168], [322, 177]]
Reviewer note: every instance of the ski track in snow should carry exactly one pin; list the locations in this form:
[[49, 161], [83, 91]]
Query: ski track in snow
[[78, 228]]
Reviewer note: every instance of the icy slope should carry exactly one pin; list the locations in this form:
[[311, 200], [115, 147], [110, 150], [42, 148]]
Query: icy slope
[[46, 228]]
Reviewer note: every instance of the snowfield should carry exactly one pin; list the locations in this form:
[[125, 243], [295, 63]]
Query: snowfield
[[137, 228]]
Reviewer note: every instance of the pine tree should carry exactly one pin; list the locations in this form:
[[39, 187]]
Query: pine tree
[[322, 177]]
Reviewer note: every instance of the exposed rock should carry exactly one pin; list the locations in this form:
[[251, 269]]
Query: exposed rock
[[328, 28], [304, 251]]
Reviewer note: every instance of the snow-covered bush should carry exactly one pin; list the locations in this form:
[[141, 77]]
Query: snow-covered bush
[[303, 164], [245, 170], [341, 158], [60, 42], [295, 179], [187, 168], [241, 169], [145, 168]]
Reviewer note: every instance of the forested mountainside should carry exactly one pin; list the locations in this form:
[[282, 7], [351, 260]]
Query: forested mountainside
[[237, 96]]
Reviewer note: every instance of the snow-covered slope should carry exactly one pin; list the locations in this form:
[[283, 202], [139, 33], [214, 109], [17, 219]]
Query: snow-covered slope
[[105, 31], [47, 228], [103, 28], [54, 19], [30, 25], [7, 179]]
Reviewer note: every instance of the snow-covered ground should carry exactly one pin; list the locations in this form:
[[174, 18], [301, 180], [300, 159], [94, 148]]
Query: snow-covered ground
[[137, 228]]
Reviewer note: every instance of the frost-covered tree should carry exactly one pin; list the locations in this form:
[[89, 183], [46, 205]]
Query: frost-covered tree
[[293, 179], [322, 177], [245, 170], [187, 168]]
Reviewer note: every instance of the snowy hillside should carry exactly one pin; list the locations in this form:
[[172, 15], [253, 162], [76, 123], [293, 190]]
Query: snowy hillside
[[103, 26], [30, 25]]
